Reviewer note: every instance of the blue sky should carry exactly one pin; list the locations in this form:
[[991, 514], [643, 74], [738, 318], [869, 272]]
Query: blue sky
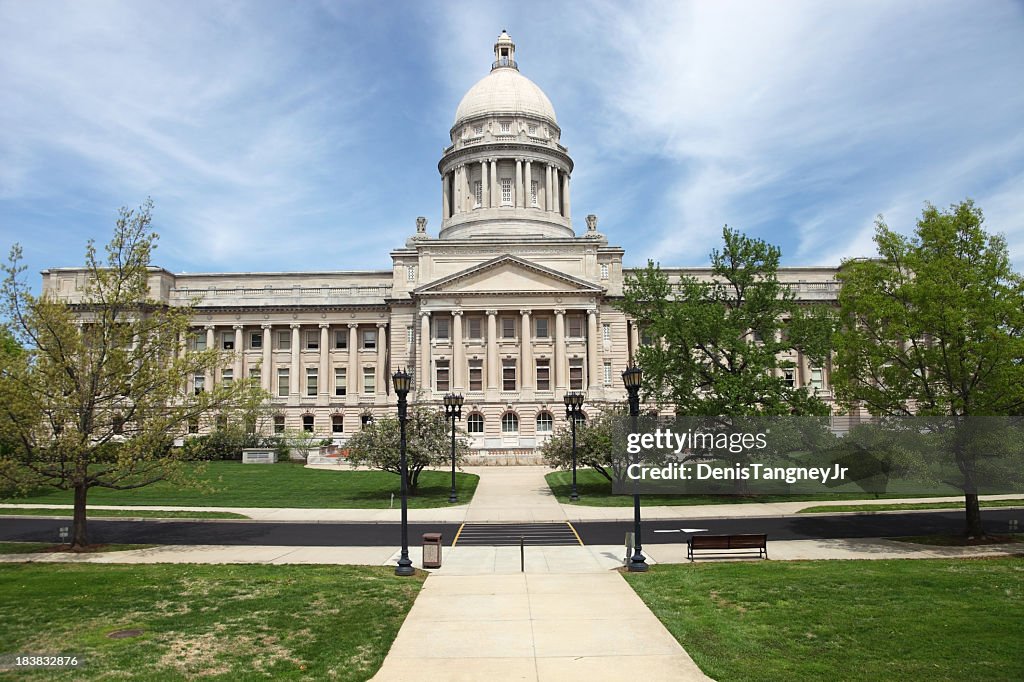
[[280, 135]]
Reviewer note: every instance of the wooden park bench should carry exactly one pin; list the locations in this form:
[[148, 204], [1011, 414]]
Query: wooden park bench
[[721, 543]]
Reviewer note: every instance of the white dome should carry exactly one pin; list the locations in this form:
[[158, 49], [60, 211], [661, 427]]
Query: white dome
[[505, 91]]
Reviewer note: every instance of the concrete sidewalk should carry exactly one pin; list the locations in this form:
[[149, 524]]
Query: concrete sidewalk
[[533, 627]]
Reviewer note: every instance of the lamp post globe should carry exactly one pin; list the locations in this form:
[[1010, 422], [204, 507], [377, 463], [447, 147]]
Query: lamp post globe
[[632, 377], [401, 381]]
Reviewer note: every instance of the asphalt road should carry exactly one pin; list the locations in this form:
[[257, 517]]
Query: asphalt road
[[592, 533]]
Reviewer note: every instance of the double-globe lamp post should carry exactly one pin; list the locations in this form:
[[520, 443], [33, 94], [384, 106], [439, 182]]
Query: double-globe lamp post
[[402, 382], [632, 377], [573, 411], [453, 410]]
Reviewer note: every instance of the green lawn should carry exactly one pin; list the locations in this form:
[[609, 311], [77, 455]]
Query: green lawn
[[130, 513], [596, 491], [233, 484], [845, 620], [34, 547], [905, 506], [227, 622]]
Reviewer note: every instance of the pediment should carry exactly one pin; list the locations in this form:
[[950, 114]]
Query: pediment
[[508, 274]]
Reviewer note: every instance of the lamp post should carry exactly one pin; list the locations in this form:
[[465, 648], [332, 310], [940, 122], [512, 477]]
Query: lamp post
[[631, 377], [453, 410], [573, 411], [402, 381]]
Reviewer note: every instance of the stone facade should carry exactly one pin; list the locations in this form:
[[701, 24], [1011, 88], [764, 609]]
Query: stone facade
[[507, 305]]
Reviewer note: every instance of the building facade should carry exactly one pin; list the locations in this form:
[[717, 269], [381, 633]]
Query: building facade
[[508, 304]]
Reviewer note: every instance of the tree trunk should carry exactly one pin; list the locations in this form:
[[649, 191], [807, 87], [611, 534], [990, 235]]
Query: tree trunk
[[79, 538], [973, 508]]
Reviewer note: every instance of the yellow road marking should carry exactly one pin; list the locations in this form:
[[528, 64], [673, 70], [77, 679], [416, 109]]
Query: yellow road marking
[[573, 532], [459, 532]]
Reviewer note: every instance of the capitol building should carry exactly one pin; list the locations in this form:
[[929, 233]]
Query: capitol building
[[511, 303]]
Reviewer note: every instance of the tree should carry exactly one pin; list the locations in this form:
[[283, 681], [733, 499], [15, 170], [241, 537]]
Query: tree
[[101, 390], [934, 327], [428, 443], [595, 443]]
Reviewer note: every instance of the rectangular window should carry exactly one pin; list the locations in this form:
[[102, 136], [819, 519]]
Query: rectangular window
[[199, 341], [476, 375], [478, 129], [312, 381], [646, 338], [337, 424], [817, 379], [410, 273], [606, 332], [283, 387], [788, 378], [442, 376], [312, 339], [369, 339], [508, 374], [576, 374], [506, 126], [607, 374], [575, 326], [278, 423], [339, 381], [256, 340], [441, 330], [369, 380], [478, 194], [506, 191], [508, 327], [533, 193], [227, 376], [475, 328], [198, 383], [284, 340], [341, 339], [543, 375], [541, 325], [227, 340], [255, 375], [604, 271], [531, 128]]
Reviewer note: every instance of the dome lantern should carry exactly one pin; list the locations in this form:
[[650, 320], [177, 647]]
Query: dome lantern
[[504, 53]]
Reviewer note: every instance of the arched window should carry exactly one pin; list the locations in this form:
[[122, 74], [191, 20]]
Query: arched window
[[545, 422], [337, 423], [307, 423], [510, 422], [475, 423]]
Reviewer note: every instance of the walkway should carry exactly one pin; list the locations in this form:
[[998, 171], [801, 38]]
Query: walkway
[[513, 494]]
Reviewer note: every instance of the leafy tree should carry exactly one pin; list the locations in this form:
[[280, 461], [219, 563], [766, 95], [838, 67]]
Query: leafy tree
[[428, 444], [100, 391], [595, 443], [720, 344], [934, 326]]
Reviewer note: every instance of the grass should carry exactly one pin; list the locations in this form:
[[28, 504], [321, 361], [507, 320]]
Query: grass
[[225, 622], [905, 506], [41, 547], [130, 513], [925, 619], [233, 484], [596, 491], [960, 540]]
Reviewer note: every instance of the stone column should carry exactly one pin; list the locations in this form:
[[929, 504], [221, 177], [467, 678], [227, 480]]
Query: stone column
[[526, 346], [382, 358], [323, 382], [484, 186], [592, 357], [548, 205], [211, 344], [467, 192], [425, 382], [457, 189], [528, 185], [294, 385], [495, 190], [492, 349], [352, 373], [458, 353], [267, 370], [518, 198], [444, 197], [565, 197], [560, 360], [556, 192], [634, 340], [236, 365]]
